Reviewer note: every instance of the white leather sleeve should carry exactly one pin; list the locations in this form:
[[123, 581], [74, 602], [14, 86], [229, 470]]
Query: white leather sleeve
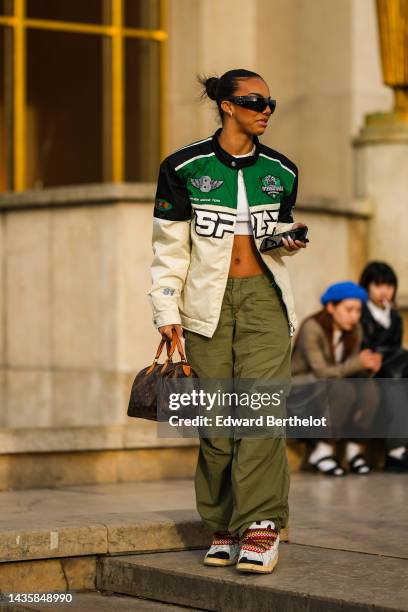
[[172, 249]]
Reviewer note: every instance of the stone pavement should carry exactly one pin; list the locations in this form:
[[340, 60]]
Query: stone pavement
[[368, 514], [348, 536]]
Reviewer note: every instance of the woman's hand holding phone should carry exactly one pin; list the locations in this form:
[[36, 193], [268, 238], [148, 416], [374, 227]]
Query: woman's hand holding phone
[[294, 245]]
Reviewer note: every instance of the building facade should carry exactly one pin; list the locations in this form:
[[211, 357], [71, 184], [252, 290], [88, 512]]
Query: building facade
[[92, 95]]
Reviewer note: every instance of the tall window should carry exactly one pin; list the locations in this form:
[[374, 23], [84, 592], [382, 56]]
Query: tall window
[[82, 86]]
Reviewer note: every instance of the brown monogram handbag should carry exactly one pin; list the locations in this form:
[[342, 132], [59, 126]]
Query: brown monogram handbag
[[143, 402]]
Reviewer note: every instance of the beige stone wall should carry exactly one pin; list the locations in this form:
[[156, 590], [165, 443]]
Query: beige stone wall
[[61, 308], [2, 328], [337, 251], [76, 324]]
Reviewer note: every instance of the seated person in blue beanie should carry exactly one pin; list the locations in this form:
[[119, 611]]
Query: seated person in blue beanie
[[382, 332], [327, 346]]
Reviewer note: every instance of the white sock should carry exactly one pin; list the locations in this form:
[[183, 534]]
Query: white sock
[[352, 449], [322, 450], [397, 452]]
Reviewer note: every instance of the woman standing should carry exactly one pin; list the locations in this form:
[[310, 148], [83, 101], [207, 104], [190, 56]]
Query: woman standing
[[216, 200]]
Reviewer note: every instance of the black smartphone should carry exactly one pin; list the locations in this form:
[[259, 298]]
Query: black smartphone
[[273, 242]]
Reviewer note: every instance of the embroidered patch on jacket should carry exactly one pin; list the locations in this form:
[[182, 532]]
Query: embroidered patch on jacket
[[162, 205], [206, 183], [271, 185], [168, 291]]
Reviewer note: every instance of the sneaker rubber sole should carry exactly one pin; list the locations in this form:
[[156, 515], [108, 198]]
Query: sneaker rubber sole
[[254, 568], [283, 536], [219, 562]]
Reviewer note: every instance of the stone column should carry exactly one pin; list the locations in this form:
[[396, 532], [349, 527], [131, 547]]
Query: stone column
[[382, 148], [382, 175]]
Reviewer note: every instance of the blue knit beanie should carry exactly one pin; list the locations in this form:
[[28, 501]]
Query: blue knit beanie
[[344, 291]]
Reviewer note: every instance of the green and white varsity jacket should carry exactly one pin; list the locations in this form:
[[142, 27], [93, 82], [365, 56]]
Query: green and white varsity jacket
[[194, 222]]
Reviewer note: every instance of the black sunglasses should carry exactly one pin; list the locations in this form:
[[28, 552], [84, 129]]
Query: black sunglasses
[[255, 103]]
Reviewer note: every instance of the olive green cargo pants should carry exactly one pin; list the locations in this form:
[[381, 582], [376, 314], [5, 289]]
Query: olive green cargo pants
[[242, 480]]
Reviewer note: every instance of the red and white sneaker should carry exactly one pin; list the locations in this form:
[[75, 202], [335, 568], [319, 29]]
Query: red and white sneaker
[[224, 549], [259, 548]]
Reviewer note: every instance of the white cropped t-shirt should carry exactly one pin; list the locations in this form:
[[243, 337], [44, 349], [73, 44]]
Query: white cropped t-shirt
[[243, 223]]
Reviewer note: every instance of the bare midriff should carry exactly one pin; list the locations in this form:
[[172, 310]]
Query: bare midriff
[[245, 259]]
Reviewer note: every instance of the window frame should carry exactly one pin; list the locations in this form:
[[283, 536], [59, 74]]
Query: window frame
[[117, 32]]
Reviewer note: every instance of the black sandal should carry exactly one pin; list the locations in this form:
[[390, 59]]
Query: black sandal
[[337, 470], [359, 465]]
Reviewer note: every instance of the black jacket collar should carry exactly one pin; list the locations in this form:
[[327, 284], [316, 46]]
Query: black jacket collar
[[228, 159]]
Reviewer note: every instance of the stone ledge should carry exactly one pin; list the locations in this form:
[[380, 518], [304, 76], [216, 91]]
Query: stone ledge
[[20, 471], [380, 129], [46, 575], [111, 193], [62, 469], [361, 208], [111, 533], [78, 195], [86, 438]]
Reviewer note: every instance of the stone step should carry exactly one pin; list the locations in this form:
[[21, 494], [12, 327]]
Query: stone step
[[64, 536], [112, 533], [61, 555], [307, 579], [97, 602]]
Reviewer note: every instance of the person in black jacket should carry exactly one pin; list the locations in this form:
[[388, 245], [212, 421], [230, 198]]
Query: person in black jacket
[[382, 333]]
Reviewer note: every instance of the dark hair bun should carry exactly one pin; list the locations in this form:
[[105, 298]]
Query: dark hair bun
[[211, 87]]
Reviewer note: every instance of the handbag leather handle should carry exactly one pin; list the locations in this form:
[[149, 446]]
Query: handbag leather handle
[[163, 341], [175, 341], [171, 347]]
